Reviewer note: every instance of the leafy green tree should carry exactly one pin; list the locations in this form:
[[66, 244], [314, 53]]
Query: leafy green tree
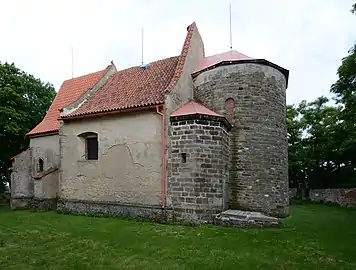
[[317, 157], [24, 101]]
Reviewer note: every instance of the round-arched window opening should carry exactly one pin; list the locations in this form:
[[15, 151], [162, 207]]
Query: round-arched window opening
[[229, 105], [40, 165]]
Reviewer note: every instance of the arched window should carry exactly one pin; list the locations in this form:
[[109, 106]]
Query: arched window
[[40, 165], [229, 105], [91, 145]]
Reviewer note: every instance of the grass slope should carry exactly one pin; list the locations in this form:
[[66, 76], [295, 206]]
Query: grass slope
[[315, 237]]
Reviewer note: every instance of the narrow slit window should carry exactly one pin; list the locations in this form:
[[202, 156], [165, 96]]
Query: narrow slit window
[[184, 157], [40, 165], [230, 104]]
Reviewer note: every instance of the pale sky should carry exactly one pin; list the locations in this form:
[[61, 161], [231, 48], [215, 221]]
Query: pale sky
[[307, 37]]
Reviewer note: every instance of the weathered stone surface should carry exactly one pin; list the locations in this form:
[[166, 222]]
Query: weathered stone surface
[[128, 169], [198, 167], [47, 186], [20, 202], [43, 204], [46, 148], [340, 196], [21, 180], [245, 219], [259, 167], [113, 209]]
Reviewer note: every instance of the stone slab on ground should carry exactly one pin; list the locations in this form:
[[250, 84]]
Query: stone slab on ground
[[245, 219]]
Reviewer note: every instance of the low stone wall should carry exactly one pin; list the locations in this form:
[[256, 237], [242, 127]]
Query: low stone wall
[[343, 197], [184, 216]]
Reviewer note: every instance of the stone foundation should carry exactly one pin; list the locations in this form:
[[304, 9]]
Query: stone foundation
[[186, 216], [193, 216], [112, 209], [20, 203], [44, 204]]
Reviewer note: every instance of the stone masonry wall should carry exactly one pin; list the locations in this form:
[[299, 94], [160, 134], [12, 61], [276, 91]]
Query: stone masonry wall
[[259, 167], [184, 87], [197, 167], [21, 180]]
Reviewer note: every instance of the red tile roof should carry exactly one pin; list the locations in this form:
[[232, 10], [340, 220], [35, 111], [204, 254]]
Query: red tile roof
[[218, 58], [182, 57], [70, 91], [131, 88], [192, 107]]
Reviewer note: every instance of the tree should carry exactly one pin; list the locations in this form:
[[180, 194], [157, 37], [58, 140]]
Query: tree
[[353, 9], [322, 138], [317, 156], [345, 91], [24, 101]]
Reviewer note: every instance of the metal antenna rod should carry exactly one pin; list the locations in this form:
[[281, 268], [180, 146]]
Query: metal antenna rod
[[230, 30], [71, 46], [142, 47]]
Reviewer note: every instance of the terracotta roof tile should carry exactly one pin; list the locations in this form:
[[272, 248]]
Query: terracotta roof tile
[[182, 57], [192, 107], [130, 88], [70, 91]]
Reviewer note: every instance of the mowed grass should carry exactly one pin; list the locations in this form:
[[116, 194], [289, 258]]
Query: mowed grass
[[314, 237]]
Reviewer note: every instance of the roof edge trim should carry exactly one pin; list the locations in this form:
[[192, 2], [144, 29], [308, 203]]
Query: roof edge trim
[[43, 134], [284, 71], [111, 112]]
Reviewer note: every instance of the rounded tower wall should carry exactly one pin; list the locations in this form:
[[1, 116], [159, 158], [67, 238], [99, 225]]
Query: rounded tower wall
[[258, 178]]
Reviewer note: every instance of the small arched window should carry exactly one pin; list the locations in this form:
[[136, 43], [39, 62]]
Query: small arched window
[[91, 145], [40, 165], [229, 105]]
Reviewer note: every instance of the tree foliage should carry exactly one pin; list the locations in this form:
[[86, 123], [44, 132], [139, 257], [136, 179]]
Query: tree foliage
[[24, 101], [322, 137]]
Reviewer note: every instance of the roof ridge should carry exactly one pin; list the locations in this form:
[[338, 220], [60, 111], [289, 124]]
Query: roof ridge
[[85, 75], [150, 63], [132, 87], [182, 57], [73, 106]]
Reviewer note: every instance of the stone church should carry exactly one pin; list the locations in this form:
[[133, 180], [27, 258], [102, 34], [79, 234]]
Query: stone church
[[191, 138]]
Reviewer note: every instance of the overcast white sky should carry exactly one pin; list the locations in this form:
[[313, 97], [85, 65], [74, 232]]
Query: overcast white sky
[[308, 37]]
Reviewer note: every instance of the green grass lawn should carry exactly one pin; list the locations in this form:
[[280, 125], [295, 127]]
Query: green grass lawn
[[314, 237]]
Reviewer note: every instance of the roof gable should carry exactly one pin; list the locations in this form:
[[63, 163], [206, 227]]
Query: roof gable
[[70, 91], [180, 65]]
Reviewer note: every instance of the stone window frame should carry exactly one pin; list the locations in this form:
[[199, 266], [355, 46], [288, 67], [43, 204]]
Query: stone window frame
[[40, 165], [86, 137]]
